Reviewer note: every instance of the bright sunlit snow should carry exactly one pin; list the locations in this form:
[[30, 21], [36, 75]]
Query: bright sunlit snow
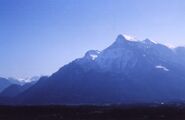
[[130, 37], [162, 67], [94, 57]]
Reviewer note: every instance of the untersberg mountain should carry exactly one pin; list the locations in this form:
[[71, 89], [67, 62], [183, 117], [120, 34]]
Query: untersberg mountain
[[128, 71]]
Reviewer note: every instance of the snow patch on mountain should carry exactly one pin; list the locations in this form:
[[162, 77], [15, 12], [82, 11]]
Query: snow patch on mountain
[[94, 57], [162, 67], [92, 54], [130, 37], [28, 79]]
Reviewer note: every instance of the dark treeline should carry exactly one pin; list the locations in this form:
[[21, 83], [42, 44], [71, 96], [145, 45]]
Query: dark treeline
[[151, 112]]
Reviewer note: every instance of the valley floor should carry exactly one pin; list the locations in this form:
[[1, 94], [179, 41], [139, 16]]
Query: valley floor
[[92, 113]]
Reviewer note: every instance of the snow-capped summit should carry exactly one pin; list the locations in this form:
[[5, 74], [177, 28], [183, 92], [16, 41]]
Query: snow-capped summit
[[117, 55], [124, 38], [120, 39]]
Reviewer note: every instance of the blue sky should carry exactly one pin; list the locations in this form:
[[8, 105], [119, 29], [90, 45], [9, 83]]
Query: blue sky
[[37, 37]]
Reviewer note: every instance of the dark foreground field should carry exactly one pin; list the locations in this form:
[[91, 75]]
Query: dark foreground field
[[92, 113]]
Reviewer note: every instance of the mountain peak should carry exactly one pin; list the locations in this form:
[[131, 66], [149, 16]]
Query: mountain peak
[[120, 36], [120, 40], [125, 37], [148, 41], [123, 40]]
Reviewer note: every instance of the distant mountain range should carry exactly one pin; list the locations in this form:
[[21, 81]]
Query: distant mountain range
[[4, 83], [10, 87], [128, 71]]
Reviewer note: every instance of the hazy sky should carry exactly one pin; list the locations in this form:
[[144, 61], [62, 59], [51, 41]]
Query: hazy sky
[[37, 37]]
